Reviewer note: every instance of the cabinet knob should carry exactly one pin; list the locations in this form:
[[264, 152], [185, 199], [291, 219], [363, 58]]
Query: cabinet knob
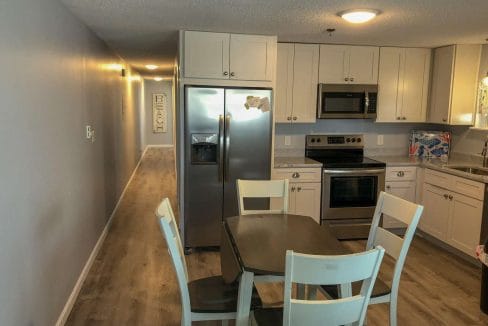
[[388, 187], [351, 79], [232, 74], [450, 197], [446, 196], [346, 79], [444, 119], [404, 118], [288, 118], [225, 73], [398, 118], [294, 118], [295, 175], [299, 188], [400, 174], [292, 189]]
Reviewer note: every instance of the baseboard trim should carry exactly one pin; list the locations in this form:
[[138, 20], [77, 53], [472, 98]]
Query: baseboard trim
[[160, 146], [63, 317]]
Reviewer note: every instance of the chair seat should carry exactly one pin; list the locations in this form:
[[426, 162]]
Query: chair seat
[[269, 316], [212, 294], [380, 289]]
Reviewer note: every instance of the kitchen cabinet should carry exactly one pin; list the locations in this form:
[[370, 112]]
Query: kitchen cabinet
[[453, 209], [454, 84], [229, 56], [403, 84], [296, 83], [304, 190], [347, 64], [400, 182]]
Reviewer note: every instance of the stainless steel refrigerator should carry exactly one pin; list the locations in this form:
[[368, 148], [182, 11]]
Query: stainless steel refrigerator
[[227, 137]]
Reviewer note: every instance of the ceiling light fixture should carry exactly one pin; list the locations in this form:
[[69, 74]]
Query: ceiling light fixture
[[484, 81], [158, 78], [358, 16], [151, 67]]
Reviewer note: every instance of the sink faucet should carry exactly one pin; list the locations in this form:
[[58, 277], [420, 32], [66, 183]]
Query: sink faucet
[[484, 152]]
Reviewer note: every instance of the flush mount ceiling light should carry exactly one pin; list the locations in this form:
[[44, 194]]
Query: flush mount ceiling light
[[151, 67], [158, 78], [358, 16]]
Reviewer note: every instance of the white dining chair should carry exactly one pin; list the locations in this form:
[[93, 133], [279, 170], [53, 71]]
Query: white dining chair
[[262, 189], [395, 247], [207, 298], [315, 270]]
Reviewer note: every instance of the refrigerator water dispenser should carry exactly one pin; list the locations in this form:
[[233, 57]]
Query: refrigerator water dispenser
[[204, 148]]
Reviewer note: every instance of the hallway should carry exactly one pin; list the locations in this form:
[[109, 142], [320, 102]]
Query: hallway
[[132, 281]]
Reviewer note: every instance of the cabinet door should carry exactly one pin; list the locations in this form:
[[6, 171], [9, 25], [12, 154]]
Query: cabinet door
[[307, 199], [435, 218], [363, 64], [206, 55], [252, 57], [305, 80], [391, 60], [334, 64], [402, 189], [284, 82], [465, 226], [415, 84], [440, 100]]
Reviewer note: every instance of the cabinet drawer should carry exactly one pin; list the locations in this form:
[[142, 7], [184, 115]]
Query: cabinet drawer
[[468, 187], [401, 173], [298, 174], [439, 179]]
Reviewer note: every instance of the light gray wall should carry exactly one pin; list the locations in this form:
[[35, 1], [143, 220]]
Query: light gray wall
[[470, 141], [153, 87], [57, 188], [395, 136]]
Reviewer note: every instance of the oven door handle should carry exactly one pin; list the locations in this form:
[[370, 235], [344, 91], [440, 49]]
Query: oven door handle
[[355, 171]]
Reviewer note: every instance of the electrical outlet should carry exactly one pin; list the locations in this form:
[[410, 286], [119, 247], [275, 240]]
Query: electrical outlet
[[89, 131], [287, 140], [380, 140]]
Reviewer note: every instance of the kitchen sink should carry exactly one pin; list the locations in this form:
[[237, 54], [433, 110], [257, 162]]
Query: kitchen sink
[[470, 169]]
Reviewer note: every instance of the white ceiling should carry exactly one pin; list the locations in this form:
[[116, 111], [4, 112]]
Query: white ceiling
[[145, 31]]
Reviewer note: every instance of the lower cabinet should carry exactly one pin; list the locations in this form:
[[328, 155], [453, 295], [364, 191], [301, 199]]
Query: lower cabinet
[[400, 182], [304, 190], [451, 216]]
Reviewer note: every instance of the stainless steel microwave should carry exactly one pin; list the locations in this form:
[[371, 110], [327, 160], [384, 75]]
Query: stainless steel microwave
[[343, 101]]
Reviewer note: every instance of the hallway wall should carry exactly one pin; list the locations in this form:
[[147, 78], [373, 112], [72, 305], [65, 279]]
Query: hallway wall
[[57, 187], [154, 87]]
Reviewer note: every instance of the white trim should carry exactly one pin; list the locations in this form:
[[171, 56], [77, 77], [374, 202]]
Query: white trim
[[63, 317], [159, 146]]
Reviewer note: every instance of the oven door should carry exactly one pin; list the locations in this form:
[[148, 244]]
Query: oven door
[[349, 194]]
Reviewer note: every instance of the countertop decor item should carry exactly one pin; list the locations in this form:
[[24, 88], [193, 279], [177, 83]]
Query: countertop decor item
[[429, 144]]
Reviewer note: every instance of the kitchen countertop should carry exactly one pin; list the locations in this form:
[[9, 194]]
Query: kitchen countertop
[[296, 162], [437, 164]]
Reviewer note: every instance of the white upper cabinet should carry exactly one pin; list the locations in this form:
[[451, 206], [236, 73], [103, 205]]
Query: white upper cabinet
[[346, 64], [403, 84], [296, 83], [454, 84], [229, 56]]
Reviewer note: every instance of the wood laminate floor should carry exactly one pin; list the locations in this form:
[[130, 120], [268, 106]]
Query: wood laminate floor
[[132, 281]]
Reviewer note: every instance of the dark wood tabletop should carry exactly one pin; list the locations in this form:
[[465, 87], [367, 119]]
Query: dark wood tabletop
[[260, 241]]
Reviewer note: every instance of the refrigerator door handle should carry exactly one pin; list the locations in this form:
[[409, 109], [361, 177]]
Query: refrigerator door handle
[[227, 146], [221, 147]]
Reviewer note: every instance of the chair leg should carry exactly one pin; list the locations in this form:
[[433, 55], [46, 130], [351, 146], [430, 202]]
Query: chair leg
[[225, 322], [393, 310]]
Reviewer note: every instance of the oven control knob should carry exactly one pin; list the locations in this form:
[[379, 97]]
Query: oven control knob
[[318, 140], [353, 140], [312, 140], [358, 140], [348, 140]]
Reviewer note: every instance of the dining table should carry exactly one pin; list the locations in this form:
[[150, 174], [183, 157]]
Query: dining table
[[253, 250]]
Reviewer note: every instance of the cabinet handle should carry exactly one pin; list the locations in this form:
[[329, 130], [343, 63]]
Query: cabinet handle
[[446, 196], [295, 175], [288, 118], [292, 189], [346, 79], [232, 74], [225, 73], [294, 118], [450, 197], [299, 189]]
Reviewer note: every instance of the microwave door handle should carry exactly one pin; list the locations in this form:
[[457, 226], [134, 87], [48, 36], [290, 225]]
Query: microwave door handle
[[355, 171], [366, 102]]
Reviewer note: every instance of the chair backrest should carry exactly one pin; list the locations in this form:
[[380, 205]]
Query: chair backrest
[[395, 246], [330, 270], [171, 234], [262, 189]]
